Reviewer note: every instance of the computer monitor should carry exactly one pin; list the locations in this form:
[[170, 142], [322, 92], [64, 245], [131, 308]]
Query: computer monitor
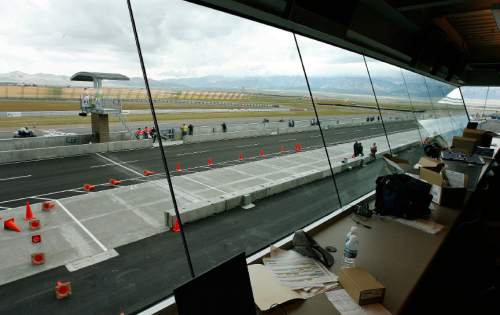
[[224, 289]]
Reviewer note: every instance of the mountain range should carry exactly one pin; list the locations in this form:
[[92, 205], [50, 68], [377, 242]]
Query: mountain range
[[384, 86]]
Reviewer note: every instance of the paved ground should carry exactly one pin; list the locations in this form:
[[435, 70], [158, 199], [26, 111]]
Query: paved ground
[[126, 286], [148, 270], [57, 178]]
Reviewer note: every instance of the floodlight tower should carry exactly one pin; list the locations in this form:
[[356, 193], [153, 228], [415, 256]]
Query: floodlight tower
[[98, 106]]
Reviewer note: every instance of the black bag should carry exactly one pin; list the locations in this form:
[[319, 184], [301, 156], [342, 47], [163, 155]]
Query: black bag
[[402, 196], [307, 246]]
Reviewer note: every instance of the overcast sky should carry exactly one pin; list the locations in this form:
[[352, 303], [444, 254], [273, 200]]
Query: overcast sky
[[178, 39]]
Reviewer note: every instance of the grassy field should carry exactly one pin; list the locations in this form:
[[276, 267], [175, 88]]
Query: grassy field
[[15, 122], [299, 105]]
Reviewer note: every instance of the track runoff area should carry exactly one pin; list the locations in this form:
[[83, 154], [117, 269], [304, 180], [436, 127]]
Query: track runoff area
[[47, 185]]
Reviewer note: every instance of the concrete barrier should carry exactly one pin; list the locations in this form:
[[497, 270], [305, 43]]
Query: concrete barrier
[[199, 210], [275, 130], [55, 141], [64, 151]]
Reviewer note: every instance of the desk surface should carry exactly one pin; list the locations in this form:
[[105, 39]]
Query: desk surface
[[396, 254]]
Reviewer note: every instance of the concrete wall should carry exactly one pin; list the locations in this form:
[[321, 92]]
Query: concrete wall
[[203, 209], [55, 141], [282, 128], [63, 151]]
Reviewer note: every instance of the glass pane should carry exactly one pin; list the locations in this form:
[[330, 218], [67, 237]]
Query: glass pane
[[233, 96], [348, 114], [101, 219], [397, 107], [476, 100], [449, 110]]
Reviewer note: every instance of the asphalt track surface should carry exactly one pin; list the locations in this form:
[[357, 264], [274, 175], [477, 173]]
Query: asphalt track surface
[[64, 177], [148, 270]]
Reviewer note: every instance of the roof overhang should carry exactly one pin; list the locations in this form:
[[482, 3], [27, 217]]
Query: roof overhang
[[456, 41], [95, 76]]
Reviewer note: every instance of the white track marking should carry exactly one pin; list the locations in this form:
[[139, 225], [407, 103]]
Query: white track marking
[[286, 140], [110, 164], [191, 153], [200, 183], [82, 226], [118, 164], [247, 145], [11, 178]]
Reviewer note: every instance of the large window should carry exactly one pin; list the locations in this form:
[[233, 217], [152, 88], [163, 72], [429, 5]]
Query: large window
[[262, 132]]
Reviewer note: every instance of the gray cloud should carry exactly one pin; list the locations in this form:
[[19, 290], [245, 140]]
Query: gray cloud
[[179, 39]]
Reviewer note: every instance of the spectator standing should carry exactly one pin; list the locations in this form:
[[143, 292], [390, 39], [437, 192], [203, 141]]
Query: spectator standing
[[190, 127], [139, 133], [373, 150], [183, 130], [360, 149], [153, 134], [224, 127], [147, 132], [355, 149]]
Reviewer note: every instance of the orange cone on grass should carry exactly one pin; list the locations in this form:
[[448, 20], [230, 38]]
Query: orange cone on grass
[[10, 224], [29, 213]]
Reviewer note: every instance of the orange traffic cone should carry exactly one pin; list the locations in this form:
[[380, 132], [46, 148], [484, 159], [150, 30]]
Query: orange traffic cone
[[34, 224], [9, 224], [47, 205], [36, 239], [38, 258], [298, 147], [115, 182], [29, 213], [178, 167], [88, 187], [261, 153], [176, 227], [148, 173], [62, 290], [241, 156], [210, 162]]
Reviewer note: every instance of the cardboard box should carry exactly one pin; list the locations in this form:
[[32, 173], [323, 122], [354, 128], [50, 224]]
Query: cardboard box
[[448, 187], [463, 144], [397, 165], [431, 163], [483, 137], [361, 286]]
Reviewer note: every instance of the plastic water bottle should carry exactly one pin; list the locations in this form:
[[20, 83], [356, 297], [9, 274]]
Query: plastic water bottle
[[353, 230], [351, 251]]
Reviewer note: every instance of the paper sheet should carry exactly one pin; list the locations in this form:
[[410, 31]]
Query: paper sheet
[[427, 226], [455, 179], [347, 306], [298, 272], [267, 291]]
